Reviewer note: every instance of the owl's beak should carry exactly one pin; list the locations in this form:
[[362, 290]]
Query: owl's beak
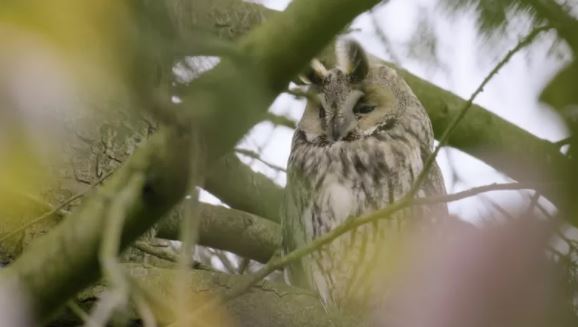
[[340, 127], [343, 120]]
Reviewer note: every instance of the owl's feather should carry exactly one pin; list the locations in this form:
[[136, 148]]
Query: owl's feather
[[356, 150]]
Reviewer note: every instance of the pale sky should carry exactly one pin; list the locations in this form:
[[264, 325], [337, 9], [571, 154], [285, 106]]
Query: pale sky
[[464, 60]]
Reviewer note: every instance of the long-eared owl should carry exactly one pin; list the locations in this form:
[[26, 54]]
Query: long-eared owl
[[362, 141]]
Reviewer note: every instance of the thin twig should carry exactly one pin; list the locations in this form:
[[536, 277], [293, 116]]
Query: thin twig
[[281, 120], [77, 310], [533, 203], [454, 123], [167, 255], [112, 270], [224, 260], [544, 211], [243, 266], [563, 142], [299, 93], [474, 191], [156, 251], [56, 209], [256, 156], [144, 310], [500, 209], [189, 235], [350, 225], [572, 244]]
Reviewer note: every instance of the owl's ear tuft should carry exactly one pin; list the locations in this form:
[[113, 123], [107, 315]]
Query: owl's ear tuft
[[352, 60], [316, 74]]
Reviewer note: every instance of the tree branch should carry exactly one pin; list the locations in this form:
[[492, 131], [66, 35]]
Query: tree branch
[[267, 304], [59, 264], [281, 120], [232, 230], [242, 188], [256, 156]]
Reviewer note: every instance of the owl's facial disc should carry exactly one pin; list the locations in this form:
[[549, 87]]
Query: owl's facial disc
[[349, 104]]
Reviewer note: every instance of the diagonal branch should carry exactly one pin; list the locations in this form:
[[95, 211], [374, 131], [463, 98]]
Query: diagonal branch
[[64, 261]]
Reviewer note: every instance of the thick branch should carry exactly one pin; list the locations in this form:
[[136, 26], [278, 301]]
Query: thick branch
[[242, 188], [267, 304], [64, 261], [233, 230]]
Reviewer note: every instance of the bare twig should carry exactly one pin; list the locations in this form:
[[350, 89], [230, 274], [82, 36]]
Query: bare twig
[[350, 225], [500, 209], [189, 232], [572, 244], [281, 120], [454, 123], [144, 310], [243, 265], [111, 268], [474, 191], [544, 211], [77, 310], [299, 93], [167, 255], [156, 251], [256, 156], [563, 142], [533, 203], [56, 209], [224, 260]]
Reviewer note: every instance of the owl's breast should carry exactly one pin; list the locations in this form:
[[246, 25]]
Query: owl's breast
[[349, 179]]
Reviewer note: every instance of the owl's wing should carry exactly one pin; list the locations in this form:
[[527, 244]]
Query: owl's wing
[[297, 202]]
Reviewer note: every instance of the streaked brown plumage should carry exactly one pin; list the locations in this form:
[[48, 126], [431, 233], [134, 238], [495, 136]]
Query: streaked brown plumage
[[359, 146]]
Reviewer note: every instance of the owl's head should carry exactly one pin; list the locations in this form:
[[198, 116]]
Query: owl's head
[[348, 102]]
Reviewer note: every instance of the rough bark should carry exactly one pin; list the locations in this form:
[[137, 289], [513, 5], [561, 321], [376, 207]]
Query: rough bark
[[56, 266]]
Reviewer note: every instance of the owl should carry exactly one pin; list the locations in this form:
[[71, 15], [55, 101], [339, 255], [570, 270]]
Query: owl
[[360, 144]]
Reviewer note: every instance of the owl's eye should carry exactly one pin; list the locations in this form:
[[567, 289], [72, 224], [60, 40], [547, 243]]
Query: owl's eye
[[363, 108], [321, 113]]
